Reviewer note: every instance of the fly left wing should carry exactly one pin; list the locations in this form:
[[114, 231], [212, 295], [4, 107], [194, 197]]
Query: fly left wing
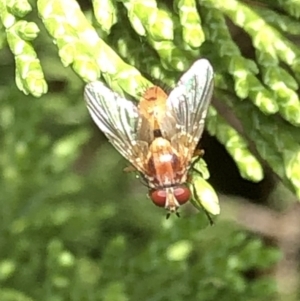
[[119, 119], [188, 104]]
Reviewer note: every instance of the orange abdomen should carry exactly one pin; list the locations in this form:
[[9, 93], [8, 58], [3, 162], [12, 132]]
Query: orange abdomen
[[163, 163]]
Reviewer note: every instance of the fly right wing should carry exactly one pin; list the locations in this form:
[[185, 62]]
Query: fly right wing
[[119, 119], [187, 107]]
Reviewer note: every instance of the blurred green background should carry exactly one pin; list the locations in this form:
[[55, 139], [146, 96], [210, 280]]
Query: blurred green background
[[74, 226]]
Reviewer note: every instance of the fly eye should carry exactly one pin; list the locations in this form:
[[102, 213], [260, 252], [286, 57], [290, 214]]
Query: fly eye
[[182, 194], [158, 197]]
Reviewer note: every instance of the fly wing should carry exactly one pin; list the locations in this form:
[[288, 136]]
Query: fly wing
[[118, 119], [187, 107]]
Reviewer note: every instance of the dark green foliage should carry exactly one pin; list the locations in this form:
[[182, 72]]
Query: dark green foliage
[[73, 226]]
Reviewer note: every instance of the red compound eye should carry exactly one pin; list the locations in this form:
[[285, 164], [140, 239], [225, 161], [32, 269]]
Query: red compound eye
[[158, 197], [182, 194]]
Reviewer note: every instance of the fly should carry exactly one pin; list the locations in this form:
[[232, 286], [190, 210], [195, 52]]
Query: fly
[[160, 134]]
